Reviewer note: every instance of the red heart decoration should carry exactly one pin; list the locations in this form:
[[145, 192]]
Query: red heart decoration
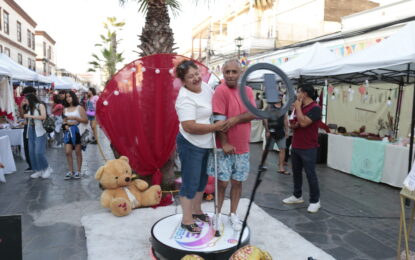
[[137, 111]]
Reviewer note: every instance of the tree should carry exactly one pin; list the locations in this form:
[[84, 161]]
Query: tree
[[109, 58], [157, 35]]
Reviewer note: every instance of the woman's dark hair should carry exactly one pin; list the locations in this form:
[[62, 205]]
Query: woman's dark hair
[[184, 67], [62, 91], [56, 99], [28, 90], [75, 101], [309, 89], [33, 101], [93, 91]]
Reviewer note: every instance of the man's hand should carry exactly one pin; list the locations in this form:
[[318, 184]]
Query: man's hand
[[295, 125], [228, 149], [298, 103], [233, 121]]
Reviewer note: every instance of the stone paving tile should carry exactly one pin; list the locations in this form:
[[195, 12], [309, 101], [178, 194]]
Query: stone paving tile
[[332, 228]]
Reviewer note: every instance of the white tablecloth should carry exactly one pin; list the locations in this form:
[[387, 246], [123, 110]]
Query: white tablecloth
[[395, 167], [339, 152], [257, 129], [6, 158], [16, 138]]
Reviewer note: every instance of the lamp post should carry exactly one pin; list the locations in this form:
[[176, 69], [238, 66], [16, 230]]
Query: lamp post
[[238, 42], [45, 61]]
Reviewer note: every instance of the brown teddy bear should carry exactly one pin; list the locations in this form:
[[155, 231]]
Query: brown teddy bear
[[122, 193]]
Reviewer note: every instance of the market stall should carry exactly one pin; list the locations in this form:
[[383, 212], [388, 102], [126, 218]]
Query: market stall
[[372, 160]]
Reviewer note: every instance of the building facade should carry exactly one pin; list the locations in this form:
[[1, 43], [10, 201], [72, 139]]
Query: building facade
[[266, 26], [17, 34], [45, 50]]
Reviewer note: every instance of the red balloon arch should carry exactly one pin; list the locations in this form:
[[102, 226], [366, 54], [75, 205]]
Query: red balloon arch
[[137, 111]]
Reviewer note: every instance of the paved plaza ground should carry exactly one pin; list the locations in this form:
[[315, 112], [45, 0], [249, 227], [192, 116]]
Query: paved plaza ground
[[358, 220]]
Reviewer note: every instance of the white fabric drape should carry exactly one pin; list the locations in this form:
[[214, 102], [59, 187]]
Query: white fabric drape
[[6, 158]]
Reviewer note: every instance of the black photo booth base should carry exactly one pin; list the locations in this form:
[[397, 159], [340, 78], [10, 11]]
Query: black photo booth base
[[170, 241], [11, 237]]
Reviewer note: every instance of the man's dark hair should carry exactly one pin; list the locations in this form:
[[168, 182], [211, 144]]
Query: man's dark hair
[[62, 91], [28, 90], [309, 89]]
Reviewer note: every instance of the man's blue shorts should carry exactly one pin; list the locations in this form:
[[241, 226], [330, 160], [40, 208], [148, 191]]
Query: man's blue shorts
[[194, 165]]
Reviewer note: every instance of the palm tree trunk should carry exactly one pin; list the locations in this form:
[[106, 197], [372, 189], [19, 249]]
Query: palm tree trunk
[[156, 36]]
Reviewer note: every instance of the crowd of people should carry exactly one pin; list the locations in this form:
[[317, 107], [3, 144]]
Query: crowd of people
[[197, 104], [70, 129]]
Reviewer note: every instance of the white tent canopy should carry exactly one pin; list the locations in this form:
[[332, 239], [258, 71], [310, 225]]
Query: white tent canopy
[[315, 56], [18, 71], [393, 53], [59, 83]]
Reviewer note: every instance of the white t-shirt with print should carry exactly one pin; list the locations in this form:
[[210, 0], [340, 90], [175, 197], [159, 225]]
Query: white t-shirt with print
[[198, 107]]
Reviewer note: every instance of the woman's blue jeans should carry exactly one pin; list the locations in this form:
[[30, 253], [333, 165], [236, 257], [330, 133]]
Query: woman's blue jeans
[[37, 150]]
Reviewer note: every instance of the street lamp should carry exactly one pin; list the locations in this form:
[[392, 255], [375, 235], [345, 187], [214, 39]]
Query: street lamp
[[45, 62], [238, 42]]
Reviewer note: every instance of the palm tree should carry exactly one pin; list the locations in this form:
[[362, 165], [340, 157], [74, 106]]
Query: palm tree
[[109, 58], [156, 36]]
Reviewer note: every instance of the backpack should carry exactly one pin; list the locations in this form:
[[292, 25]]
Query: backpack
[[49, 122]]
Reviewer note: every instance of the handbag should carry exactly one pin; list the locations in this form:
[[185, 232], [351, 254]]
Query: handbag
[[49, 122], [84, 138]]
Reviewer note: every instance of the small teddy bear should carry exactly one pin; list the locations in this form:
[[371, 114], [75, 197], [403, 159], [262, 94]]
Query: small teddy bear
[[122, 193]]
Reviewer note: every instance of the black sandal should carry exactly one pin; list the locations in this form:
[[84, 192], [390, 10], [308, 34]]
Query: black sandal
[[192, 228], [201, 217]]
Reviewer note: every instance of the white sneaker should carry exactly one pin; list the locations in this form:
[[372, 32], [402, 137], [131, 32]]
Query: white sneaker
[[46, 173], [76, 175], [293, 200], [36, 174], [314, 207], [236, 223], [68, 176]]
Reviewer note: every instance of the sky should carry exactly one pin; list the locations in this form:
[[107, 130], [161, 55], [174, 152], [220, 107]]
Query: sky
[[75, 25]]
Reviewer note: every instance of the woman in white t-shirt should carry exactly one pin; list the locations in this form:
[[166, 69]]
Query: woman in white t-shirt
[[194, 141]]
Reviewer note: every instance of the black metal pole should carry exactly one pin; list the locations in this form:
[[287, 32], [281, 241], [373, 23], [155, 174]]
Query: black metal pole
[[411, 140]]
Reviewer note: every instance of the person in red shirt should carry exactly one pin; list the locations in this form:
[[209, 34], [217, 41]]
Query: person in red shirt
[[304, 146], [57, 111], [233, 153]]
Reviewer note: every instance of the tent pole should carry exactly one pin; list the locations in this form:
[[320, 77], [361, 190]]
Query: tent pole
[[398, 110], [411, 141]]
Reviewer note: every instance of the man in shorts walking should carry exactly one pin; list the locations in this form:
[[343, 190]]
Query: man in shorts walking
[[233, 153]]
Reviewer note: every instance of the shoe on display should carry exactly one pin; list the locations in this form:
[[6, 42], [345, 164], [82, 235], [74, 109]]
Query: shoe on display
[[293, 200], [36, 174], [28, 170], [76, 175], [314, 207], [68, 176], [236, 223], [46, 173]]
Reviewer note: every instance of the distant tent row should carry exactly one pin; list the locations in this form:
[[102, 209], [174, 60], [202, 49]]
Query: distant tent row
[[17, 72]]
